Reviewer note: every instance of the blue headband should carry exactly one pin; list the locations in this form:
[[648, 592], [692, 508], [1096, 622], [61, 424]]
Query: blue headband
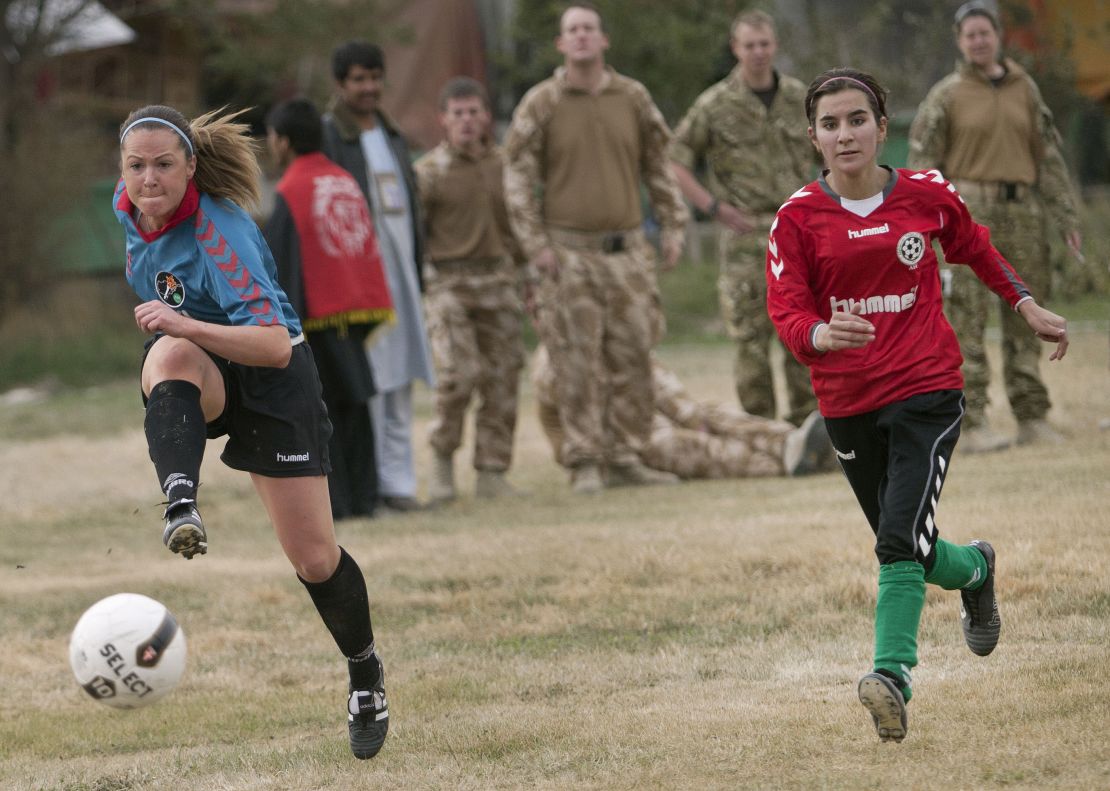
[[162, 121]]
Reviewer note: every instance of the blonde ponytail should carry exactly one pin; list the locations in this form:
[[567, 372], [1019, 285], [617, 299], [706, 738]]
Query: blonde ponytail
[[227, 165]]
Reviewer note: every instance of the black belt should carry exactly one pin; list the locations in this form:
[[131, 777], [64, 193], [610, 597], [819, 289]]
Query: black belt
[[1002, 191], [606, 242], [612, 243]]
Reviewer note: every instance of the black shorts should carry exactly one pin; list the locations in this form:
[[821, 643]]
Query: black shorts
[[274, 418], [896, 459]]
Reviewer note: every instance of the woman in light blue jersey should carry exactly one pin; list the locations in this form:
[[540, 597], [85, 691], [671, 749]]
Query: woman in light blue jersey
[[227, 356]]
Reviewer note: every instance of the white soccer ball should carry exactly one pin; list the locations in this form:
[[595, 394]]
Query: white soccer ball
[[127, 651]]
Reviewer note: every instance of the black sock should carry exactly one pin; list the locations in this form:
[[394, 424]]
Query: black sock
[[175, 436], [344, 607]]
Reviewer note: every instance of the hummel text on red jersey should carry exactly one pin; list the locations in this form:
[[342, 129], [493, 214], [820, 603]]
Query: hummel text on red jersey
[[884, 228], [890, 303]]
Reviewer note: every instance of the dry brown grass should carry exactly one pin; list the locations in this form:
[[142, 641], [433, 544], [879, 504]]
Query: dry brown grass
[[705, 636]]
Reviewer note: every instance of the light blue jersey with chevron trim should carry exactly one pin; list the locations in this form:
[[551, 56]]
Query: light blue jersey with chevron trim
[[211, 264]]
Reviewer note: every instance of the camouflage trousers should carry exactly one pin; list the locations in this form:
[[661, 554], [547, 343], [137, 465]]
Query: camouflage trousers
[[692, 440], [729, 446], [474, 318], [598, 318], [742, 287], [1018, 231]]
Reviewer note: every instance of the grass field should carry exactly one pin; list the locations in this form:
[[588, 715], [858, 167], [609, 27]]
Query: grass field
[[702, 636]]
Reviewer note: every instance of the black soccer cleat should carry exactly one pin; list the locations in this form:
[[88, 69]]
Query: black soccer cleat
[[883, 700], [184, 532], [368, 720], [979, 609]]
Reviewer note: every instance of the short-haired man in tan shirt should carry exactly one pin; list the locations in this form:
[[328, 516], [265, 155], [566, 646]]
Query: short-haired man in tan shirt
[[471, 300], [586, 138], [749, 129]]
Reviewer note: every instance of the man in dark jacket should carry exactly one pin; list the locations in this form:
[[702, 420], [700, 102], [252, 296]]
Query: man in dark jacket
[[360, 138], [328, 264]]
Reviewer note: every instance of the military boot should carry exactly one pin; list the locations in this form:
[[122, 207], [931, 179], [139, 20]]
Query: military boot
[[441, 489], [636, 474], [586, 479], [1038, 431], [808, 449], [493, 483], [981, 439]]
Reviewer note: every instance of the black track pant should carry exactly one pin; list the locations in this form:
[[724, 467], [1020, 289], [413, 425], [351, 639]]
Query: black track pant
[[896, 459]]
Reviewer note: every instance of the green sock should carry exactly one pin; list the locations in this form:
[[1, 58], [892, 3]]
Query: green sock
[[957, 566], [897, 615]]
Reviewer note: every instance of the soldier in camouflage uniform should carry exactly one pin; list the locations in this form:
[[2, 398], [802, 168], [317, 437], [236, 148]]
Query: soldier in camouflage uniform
[[986, 127], [696, 439], [750, 130], [472, 300], [587, 137]]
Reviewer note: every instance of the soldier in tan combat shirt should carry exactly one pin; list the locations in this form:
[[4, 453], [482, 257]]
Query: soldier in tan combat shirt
[[472, 300], [986, 127], [578, 148], [750, 130]]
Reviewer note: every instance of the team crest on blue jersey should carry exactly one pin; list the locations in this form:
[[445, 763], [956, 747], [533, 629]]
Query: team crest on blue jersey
[[911, 249], [170, 290]]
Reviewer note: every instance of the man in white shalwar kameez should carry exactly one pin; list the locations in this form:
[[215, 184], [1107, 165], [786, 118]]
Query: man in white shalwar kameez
[[361, 138]]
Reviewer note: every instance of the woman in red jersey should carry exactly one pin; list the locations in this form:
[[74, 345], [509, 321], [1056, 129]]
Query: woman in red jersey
[[854, 292]]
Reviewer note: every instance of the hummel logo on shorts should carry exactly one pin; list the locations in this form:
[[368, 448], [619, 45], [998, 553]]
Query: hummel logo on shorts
[[292, 457]]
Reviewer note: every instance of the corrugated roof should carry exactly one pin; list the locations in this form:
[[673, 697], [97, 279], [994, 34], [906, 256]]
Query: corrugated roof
[[71, 25]]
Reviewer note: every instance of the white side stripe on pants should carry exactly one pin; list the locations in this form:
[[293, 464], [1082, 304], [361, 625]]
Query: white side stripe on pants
[[926, 540]]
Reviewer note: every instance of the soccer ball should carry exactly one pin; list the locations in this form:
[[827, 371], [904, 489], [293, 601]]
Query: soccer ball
[[127, 651]]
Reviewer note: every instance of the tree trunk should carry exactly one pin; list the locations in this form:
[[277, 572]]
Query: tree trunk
[[7, 93]]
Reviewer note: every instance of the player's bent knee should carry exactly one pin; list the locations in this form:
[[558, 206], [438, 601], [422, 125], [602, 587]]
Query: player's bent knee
[[315, 561], [176, 358], [318, 568]]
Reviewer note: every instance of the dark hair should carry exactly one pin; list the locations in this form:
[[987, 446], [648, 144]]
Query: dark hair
[[976, 8], [842, 79], [462, 88], [355, 53], [298, 120], [587, 6], [226, 163]]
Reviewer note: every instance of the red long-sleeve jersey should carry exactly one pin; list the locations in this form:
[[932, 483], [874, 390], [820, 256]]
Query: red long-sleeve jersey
[[822, 257]]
